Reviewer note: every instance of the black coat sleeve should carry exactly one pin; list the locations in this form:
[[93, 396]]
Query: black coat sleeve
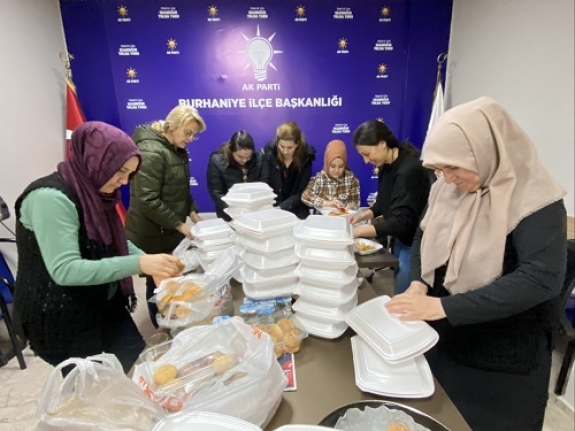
[[216, 184], [408, 197], [540, 245], [302, 181]]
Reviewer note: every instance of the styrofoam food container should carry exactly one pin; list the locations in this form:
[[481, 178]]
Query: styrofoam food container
[[273, 290], [242, 230], [261, 279], [211, 229], [207, 244], [325, 258], [256, 185], [322, 329], [326, 277], [390, 337], [324, 313], [374, 245], [267, 245], [249, 192], [283, 272], [205, 421], [210, 255], [279, 259], [219, 247], [296, 427], [407, 379], [270, 219], [324, 231], [243, 200], [235, 212], [327, 295]]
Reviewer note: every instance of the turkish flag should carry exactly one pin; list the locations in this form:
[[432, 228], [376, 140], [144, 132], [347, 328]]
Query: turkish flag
[[74, 114], [75, 117]]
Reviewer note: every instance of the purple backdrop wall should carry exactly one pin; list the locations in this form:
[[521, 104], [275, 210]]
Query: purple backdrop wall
[[333, 65]]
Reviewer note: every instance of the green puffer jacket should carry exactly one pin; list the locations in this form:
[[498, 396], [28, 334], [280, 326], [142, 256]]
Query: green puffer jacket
[[159, 193]]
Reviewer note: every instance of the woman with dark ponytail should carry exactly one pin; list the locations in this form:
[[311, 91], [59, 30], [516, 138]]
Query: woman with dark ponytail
[[403, 188]]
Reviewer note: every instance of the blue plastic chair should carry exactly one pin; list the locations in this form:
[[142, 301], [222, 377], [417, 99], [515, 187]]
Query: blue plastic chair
[[6, 297]]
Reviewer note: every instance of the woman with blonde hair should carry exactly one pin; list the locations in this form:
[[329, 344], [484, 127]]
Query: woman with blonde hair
[[160, 199], [288, 161]]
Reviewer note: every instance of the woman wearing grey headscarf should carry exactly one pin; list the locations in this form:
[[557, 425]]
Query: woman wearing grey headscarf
[[488, 265]]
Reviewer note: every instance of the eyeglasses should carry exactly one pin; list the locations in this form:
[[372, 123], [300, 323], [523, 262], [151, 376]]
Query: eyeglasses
[[191, 134], [447, 169]]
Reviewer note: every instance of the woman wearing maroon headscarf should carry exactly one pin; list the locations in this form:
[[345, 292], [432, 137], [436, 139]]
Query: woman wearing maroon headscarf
[[74, 289]]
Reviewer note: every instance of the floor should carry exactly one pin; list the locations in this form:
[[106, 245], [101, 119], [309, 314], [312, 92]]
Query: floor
[[20, 389]]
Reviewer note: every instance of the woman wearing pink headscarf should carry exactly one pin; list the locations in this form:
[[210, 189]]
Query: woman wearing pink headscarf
[[335, 185], [74, 290], [488, 264]]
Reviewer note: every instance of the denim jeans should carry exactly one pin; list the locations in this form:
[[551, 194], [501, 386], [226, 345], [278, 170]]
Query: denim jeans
[[403, 255]]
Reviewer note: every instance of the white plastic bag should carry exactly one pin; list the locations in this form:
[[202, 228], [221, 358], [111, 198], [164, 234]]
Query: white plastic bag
[[250, 389], [95, 395]]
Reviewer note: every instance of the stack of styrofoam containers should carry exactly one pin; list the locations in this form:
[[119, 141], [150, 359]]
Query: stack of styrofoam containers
[[327, 274], [212, 237], [244, 198], [388, 352], [265, 244]]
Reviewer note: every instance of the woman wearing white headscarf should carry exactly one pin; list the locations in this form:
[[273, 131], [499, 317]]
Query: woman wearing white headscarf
[[488, 265]]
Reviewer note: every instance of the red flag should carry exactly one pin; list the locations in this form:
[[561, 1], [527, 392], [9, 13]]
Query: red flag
[[74, 114], [75, 117]]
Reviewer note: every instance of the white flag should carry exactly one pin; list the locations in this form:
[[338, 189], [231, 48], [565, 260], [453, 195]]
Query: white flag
[[438, 107]]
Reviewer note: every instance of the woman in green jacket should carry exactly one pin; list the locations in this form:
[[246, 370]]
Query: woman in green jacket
[[160, 199]]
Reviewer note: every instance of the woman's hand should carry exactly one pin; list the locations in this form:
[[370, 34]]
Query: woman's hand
[[360, 216], [185, 230], [333, 204], [195, 217], [415, 305], [160, 266], [417, 287], [364, 231]]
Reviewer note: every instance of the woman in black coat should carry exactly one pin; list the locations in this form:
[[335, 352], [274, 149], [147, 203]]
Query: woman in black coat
[[234, 162], [288, 162]]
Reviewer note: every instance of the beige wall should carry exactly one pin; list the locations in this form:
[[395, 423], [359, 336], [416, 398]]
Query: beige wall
[[521, 53], [32, 85]]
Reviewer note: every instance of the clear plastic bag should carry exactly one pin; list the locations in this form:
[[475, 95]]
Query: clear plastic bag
[[187, 254], [220, 368], [95, 395], [193, 299]]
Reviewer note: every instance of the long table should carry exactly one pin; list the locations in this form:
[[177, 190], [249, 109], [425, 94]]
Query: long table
[[326, 381], [380, 259]]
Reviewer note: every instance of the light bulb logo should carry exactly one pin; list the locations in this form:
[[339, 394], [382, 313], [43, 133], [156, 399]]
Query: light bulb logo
[[260, 53]]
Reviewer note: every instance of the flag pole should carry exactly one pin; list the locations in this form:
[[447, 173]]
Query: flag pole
[[66, 58], [437, 106], [441, 58]]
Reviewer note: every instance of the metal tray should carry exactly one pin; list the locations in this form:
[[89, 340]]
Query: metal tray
[[417, 415]]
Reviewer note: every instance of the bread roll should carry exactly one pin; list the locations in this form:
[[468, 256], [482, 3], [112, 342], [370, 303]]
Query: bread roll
[[164, 374], [285, 324]]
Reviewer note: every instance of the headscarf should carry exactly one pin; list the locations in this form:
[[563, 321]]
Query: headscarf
[[468, 230], [98, 151], [333, 150]]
